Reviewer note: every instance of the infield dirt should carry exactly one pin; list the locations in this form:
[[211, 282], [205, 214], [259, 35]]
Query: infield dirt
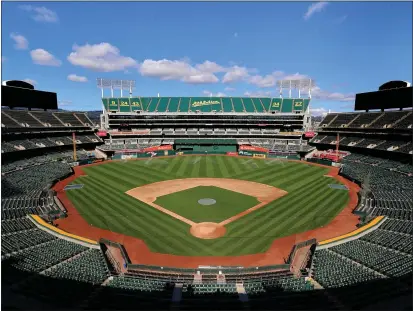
[[264, 194]]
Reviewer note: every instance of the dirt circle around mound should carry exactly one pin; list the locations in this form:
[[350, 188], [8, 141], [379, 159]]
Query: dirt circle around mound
[[207, 230]]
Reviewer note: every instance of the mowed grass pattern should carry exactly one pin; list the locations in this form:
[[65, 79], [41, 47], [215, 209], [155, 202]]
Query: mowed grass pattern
[[228, 203], [309, 204]]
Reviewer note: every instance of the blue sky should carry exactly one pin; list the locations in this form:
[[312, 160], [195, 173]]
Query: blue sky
[[195, 49]]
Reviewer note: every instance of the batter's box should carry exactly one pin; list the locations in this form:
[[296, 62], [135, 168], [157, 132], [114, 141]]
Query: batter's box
[[207, 204]]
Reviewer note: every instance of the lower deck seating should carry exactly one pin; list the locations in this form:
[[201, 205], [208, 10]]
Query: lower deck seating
[[332, 270], [89, 267]]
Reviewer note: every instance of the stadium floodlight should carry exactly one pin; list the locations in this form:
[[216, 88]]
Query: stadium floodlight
[[296, 84], [116, 85]]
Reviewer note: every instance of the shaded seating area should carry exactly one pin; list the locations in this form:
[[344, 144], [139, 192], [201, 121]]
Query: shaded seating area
[[332, 270], [89, 267], [39, 257], [383, 260], [126, 293]]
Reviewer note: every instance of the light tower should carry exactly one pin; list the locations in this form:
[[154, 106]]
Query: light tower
[[295, 84], [116, 85]]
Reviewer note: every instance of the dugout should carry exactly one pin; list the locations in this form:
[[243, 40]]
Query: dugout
[[211, 146]]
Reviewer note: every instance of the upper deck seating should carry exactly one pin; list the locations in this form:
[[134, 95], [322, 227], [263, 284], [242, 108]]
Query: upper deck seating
[[84, 119], [343, 119], [23, 118], [364, 119], [8, 122], [68, 118], [388, 118], [48, 118]]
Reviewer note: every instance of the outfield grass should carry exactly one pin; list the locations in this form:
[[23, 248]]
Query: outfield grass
[[310, 202], [228, 203]]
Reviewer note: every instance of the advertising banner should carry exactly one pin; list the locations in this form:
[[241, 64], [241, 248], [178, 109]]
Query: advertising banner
[[102, 133], [309, 134], [232, 153], [262, 156], [253, 148], [128, 156], [244, 153], [158, 148]]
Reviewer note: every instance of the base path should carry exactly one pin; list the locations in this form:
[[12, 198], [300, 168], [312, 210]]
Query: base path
[[139, 253]]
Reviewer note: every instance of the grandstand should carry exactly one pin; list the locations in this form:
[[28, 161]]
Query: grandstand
[[44, 269], [134, 123], [385, 133]]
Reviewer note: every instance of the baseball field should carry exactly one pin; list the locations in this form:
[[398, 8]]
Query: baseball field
[[207, 205]]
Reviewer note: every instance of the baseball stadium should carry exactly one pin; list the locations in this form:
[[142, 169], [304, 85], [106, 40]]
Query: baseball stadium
[[178, 203]]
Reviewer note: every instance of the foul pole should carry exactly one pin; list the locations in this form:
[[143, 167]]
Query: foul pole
[[74, 146], [337, 146]]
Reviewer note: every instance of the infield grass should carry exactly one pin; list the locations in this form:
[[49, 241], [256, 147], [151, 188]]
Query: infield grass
[[228, 203], [309, 204]]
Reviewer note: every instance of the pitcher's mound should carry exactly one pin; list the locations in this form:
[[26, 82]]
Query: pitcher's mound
[[208, 230], [207, 201]]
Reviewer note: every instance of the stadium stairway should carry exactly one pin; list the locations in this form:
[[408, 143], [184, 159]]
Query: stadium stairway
[[333, 299], [243, 296], [34, 117], [177, 293], [94, 294], [402, 118], [379, 116], [11, 118]]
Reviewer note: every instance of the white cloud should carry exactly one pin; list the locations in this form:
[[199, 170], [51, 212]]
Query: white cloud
[[180, 70], [3, 59], [64, 102], [41, 14], [31, 81], [208, 66], [229, 89], [295, 76], [211, 94], [235, 74], [100, 57], [258, 94], [271, 79], [20, 42], [43, 57], [76, 78], [318, 93], [315, 8], [318, 111]]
